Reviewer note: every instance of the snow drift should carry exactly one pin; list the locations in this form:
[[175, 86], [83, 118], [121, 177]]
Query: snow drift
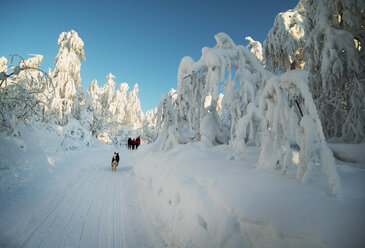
[[197, 197]]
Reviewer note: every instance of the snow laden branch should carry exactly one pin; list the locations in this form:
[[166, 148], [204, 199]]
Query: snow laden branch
[[284, 129], [255, 47], [198, 89], [22, 91]]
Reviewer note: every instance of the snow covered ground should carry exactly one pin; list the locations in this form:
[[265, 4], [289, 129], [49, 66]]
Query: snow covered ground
[[71, 199], [191, 196], [207, 200]]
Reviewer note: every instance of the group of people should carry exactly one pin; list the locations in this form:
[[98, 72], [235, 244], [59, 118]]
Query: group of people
[[133, 144]]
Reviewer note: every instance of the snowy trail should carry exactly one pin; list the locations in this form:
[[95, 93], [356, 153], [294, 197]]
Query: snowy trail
[[81, 204]]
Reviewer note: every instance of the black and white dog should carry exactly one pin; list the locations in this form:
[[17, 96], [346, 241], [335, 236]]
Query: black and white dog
[[115, 161]]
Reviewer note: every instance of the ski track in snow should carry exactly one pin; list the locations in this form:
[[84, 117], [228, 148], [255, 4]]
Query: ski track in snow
[[81, 204]]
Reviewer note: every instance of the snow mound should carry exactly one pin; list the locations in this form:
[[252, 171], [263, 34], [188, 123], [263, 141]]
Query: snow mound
[[349, 152], [197, 197], [35, 150], [27, 154]]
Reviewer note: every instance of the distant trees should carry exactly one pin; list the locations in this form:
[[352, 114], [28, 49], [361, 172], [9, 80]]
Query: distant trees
[[121, 100], [112, 109], [133, 112], [27, 94]]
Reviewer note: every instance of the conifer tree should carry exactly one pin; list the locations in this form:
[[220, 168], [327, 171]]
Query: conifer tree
[[67, 78]]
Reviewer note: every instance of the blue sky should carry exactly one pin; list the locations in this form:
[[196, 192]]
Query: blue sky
[[138, 41]]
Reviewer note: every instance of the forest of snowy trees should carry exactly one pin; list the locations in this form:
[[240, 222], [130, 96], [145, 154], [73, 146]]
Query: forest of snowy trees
[[57, 98], [304, 86]]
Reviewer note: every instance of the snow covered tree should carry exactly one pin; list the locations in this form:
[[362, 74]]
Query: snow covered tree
[[93, 109], [285, 41], [149, 131], [133, 112], [285, 127], [167, 124], [326, 37], [22, 91], [3, 71], [92, 95], [66, 77], [114, 116], [97, 103], [198, 88], [276, 113], [334, 55], [120, 102], [106, 98]]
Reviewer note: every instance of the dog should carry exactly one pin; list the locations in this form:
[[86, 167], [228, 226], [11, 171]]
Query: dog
[[115, 161]]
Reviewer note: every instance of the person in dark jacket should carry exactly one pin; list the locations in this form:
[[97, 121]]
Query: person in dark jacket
[[129, 143], [138, 142]]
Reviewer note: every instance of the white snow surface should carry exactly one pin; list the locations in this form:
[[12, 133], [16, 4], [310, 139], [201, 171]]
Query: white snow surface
[[205, 199], [349, 152], [70, 198], [193, 195]]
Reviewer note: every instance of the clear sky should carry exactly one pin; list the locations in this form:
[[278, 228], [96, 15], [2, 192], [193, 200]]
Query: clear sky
[[138, 41]]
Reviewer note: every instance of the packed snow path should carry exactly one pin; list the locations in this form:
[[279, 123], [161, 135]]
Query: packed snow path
[[82, 203]]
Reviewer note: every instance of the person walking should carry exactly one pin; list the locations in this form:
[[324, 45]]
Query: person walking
[[129, 143], [138, 142]]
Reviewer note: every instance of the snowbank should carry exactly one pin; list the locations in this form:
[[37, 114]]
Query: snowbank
[[199, 198], [35, 150], [25, 155], [349, 152]]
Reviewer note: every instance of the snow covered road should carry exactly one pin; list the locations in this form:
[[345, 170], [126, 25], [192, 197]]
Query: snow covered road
[[191, 196], [80, 204]]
